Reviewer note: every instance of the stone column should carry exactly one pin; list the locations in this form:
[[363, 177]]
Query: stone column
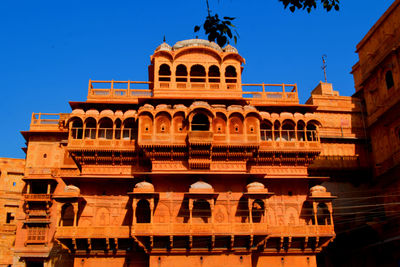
[[190, 210], [75, 205], [134, 203], [249, 203], [315, 209]]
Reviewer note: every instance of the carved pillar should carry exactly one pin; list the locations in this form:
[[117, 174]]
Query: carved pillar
[[151, 209], [48, 188], [75, 205], [330, 213], [28, 187], [315, 209], [134, 203], [190, 210], [249, 202]]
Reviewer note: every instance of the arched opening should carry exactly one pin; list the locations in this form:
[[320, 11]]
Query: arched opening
[[163, 123], [143, 212], [323, 215], [200, 122], [389, 79], [257, 210], [230, 74], [201, 211], [105, 128], [214, 74], [311, 132], [90, 128], [118, 125], [300, 131], [235, 125], [164, 73], [77, 129], [277, 134], [129, 129], [181, 73], [266, 131], [197, 74], [288, 133], [67, 215]]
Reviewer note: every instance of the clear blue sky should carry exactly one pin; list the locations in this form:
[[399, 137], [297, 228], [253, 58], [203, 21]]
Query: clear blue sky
[[50, 49]]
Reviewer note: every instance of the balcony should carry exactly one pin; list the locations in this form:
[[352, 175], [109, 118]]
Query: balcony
[[262, 94], [185, 229], [37, 197], [200, 137], [119, 90], [290, 140], [47, 121]]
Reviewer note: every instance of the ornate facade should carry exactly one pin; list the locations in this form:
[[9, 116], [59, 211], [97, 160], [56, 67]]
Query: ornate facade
[[196, 169]]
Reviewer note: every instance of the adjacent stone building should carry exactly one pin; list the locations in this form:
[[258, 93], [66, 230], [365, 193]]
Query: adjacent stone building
[[11, 186]]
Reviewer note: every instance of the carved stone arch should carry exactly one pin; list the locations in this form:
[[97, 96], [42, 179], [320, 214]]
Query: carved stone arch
[[163, 122], [75, 126], [266, 130], [201, 116], [143, 211], [105, 128], [90, 128], [219, 123], [252, 123], [146, 122], [301, 130], [179, 123], [236, 121], [199, 49], [288, 130], [235, 56], [67, 215], [129, 128]]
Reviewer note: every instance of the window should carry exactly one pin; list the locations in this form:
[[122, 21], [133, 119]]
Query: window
[[213, 74], [230, 74], [266, 131], [37, 234], [67, 215], [197, 73], [201, 211], [323, 215], [10, 217], [389, 80], [257, 210], [200, 122], [181, 73], [143, 212], [164, 73]]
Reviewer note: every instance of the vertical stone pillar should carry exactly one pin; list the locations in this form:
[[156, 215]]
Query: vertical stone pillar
[[315, 210], [249, 203], [190, 210], [75, 205], [134, 203], [48, 188], [151, 209], [330, 213]]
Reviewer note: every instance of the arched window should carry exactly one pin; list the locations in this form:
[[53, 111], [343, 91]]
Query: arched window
[[90, 128], [257, 210], [266, 131], [277, 134], [67, 215], [213, 74], [230, 74], [197, 74], [389, 80], [323, 215], [311, 132], [77, 129], [164, 73], [200, 122], [129, 129], [105, 128], [300, 131], [181, 73], [143, 212], [288, 133], [118, 125], [201, 211]]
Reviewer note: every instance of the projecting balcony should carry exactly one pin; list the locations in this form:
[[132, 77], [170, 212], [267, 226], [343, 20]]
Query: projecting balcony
[[290, 140], [48, 121], [37, 197], [201, 229], [200, 137], [101, 139]]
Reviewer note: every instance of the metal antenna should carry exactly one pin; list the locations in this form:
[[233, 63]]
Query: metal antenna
[[324, 66], [164, 39]]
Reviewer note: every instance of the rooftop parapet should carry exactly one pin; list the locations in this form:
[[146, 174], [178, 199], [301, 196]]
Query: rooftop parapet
[[132, 91], [48, 121]]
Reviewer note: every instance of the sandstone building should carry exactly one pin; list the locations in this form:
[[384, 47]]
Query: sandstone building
[[11, 186], [193, 167]]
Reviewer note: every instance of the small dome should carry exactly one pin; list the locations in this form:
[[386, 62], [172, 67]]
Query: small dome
[[235, 107], [196, 42], [164, 47], [119, 113], [179, 106], [144, 185], [230, 49], [249, 108], [162, 106], [255, 186], [130, 113], [72, 189], [200, 104], [107, 112], [78, 111], [92, 112], [317, 189], [201, 185]]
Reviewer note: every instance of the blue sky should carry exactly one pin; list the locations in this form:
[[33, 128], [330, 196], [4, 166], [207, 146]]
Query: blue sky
[[50, 49]]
